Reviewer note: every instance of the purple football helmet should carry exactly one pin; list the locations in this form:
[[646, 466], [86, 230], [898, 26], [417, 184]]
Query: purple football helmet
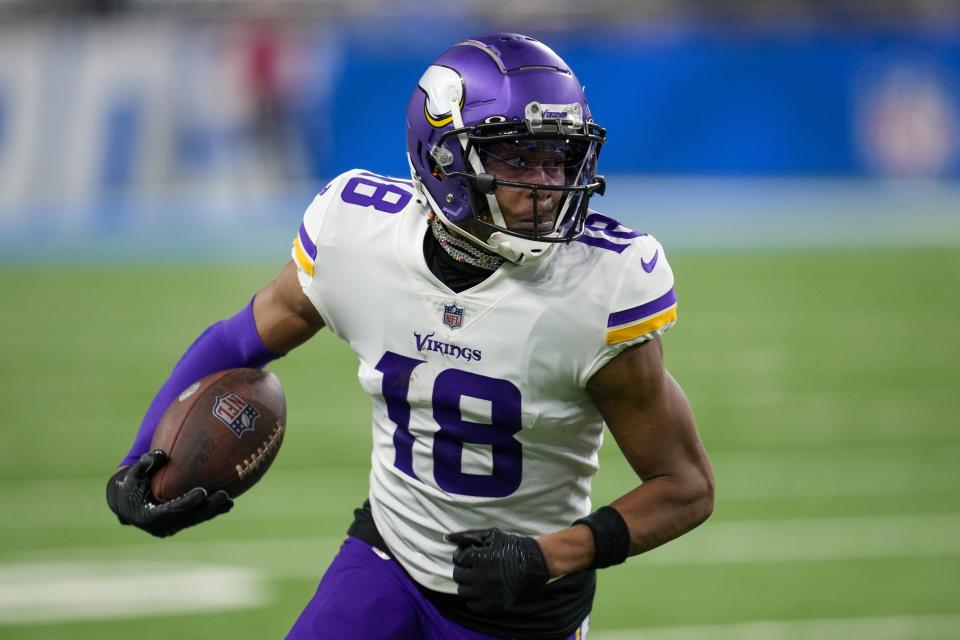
[[484, 113]]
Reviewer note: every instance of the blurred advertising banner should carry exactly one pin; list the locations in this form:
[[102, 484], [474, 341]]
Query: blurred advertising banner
[[710, 102], [142, 106], [206, 117], [137, 103]]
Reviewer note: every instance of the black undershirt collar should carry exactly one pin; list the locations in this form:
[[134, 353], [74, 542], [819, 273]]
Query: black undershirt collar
[[459, 276]]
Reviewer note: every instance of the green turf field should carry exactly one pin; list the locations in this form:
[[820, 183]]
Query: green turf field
[[827, 391]]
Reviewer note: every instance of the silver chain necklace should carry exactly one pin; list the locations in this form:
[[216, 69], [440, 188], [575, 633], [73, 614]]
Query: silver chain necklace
[[463, 250]]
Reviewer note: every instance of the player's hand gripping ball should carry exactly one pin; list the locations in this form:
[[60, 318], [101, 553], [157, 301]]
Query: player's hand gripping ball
[[129, 497], [215, 441], [494, 569]]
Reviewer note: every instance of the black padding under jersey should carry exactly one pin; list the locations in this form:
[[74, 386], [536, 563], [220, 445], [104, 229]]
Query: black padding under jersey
[[554, 615]]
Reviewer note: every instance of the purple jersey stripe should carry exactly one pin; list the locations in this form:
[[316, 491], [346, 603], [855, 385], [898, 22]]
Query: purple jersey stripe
[[307, 243], [636, 313]]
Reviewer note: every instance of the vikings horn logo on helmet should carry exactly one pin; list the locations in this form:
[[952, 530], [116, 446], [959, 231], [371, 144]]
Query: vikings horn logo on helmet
[[443, 86]]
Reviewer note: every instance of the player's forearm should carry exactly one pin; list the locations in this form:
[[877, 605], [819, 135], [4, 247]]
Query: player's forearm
[[664, 508], [656, 512], [568, 550]]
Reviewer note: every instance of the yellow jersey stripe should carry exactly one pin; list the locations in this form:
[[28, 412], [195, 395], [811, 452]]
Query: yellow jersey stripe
[[652, 323], [302, 258]]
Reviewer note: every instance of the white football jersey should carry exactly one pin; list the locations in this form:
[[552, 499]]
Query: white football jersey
[[480, 413]]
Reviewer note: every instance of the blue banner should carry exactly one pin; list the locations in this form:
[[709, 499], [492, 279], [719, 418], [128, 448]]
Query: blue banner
[[707, 103]]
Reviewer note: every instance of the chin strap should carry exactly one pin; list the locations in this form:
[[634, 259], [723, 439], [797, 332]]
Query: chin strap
[[519, 250]]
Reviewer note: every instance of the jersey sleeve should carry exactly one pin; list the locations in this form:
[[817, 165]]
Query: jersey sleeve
[[644, 306]]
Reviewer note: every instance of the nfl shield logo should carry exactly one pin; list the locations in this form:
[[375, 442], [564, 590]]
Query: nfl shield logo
[[233, 410], [452, 315]]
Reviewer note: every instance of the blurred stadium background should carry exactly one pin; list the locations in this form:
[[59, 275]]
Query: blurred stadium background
[[801, 160]]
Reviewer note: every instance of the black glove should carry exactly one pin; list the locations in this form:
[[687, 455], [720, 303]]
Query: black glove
[[494, 569], [129, 497]]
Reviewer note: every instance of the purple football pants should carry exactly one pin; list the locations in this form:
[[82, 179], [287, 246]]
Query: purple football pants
[[366, 596]]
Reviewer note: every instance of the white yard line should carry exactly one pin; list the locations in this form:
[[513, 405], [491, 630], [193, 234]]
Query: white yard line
[[753, 541], [55, 592], [811, 539], [99, 581], [881, 628], [887, 471], [299, 557]]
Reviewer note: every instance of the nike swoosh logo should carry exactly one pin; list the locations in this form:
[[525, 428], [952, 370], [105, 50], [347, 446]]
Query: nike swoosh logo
[[648, 266]]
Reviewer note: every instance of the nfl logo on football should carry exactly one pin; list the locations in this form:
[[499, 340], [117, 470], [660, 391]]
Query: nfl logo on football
[[234, 411], [452, 315]]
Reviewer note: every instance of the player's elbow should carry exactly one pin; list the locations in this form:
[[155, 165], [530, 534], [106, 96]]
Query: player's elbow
[[701, 496], [694, 495]]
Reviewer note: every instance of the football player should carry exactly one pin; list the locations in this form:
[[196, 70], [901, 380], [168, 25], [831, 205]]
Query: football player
[[499, 323]]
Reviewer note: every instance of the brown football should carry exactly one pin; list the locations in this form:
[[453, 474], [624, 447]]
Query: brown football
[[220, 433]]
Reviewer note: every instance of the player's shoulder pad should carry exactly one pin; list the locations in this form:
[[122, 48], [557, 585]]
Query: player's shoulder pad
[[347, 187], [354, 189], [645, 304], [304, 251], [607, 237]]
